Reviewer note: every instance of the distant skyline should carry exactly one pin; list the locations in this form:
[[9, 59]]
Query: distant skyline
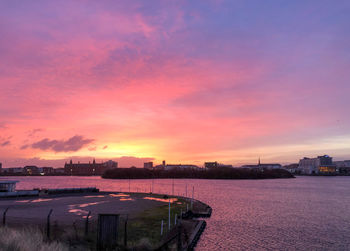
[[187, 82]]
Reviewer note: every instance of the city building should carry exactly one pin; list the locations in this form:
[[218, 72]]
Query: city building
[[13, 170], [148, 165], [46, 170], [59, 171], [211, 164], [31, 170], [266, 166], [343, 167], [321, 164], [88, 168], [169, 167], [0, 167]]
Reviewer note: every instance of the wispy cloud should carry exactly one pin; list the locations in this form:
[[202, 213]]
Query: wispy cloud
[[5, 143], [74, 143]]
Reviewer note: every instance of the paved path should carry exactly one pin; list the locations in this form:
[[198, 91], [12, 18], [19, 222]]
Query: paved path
[[69, 208]]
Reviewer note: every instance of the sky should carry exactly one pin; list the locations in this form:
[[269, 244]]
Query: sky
[[183, 81]]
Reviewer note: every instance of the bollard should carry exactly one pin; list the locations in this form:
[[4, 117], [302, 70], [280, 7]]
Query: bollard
[[4, 217], [48, 224], [87, 224], [161, 228], [175, 218]]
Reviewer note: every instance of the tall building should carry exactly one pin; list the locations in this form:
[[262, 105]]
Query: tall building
[[321, 164], [88, 168], [211, 164], [148, 165]]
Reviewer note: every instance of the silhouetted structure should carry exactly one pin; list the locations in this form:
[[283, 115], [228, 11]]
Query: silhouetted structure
[[211, 164], [264, 166], [89, 168], [31, 170], [148, 165]]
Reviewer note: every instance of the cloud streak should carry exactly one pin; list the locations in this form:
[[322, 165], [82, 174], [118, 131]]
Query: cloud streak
[[72, 144]]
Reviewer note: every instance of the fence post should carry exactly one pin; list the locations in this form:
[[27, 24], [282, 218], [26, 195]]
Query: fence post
[[4, 217], [126, 232], [87, 224], [48, 224]]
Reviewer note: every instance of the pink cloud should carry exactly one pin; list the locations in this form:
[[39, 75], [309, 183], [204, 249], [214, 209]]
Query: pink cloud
[[73, 144]]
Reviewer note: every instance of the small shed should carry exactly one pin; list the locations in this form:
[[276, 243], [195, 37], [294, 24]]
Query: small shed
[[8, 185]]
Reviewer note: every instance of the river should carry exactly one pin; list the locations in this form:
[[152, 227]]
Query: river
[[306, 213]]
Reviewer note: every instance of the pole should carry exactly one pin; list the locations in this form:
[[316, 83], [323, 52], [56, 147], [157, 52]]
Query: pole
[[161, 228], [87, 224], [186, 190], [192, 198], [152, 185], [169, 215], [4, 217], [129, 185], [173, 187], [126, 232], [48, 224]]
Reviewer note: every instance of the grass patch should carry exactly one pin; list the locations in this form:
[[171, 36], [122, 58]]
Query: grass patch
[[146, 226], [27, 239]]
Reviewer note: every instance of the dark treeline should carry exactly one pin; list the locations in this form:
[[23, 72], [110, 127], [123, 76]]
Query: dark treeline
[[215, 173]]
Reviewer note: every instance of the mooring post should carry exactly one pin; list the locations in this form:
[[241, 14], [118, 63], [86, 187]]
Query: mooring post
[[175, 218], [87, 224], [126, 232], [48, 224], [4, 217], [161, 228]]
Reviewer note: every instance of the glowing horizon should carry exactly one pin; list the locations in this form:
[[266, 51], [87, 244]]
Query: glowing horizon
[[224, 81]]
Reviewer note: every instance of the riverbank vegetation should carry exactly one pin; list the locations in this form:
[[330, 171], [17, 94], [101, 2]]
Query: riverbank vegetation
[[214, 173]]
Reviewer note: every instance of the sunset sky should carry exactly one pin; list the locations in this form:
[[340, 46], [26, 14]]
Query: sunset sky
[[184, 81]]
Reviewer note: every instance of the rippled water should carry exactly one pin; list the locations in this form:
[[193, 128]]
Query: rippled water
[[306, 213]]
